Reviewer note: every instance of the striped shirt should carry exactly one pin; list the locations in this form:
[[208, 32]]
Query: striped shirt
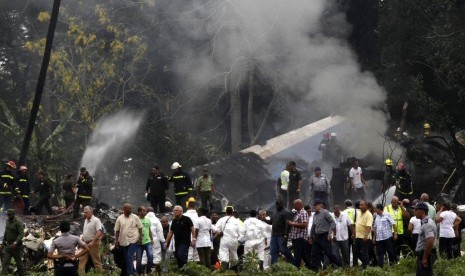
[[383, 226]]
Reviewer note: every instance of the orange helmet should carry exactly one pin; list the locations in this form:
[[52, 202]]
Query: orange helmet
[[11, 164]]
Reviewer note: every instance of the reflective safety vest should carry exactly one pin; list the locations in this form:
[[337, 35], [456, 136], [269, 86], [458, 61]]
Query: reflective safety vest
[[22, 186], [7, 181], [398, 220], [85, 187], [351, 214]]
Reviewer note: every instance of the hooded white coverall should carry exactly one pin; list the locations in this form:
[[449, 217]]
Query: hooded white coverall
[[193, 254], [158, 238], [231, 229], [254, 234]]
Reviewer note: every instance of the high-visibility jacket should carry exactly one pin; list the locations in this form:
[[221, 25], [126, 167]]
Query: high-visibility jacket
[[398, 220], [7, 182], [84, 186], [22, 186], [182, 183]]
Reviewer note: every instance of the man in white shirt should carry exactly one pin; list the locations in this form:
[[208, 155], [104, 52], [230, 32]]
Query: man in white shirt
[[340, 242], [204, 245], [357, 182], [91, 235], [254, 235], [192, 214], [230, 228], [266, 220]]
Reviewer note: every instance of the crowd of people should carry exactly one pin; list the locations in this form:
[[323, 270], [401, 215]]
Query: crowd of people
[[317, 235]]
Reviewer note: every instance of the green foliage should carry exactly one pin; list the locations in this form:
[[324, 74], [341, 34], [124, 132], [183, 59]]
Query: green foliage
[[194, 269]]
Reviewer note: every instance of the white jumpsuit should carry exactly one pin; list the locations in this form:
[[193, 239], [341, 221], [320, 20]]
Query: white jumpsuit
[[254, 234], [231, 229], [193, 254], [158, 238]]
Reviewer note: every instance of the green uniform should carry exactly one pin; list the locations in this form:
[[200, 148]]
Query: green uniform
[[14, 232], [205, 184]]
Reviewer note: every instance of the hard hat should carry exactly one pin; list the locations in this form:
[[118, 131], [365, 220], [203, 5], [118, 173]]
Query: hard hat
[[227, 207], [426, 126], [326, 135], [11, 164], [22, 168], [191, 199], [388, 162], [401, 166], [168, 204], [175, 166], [333, 134]]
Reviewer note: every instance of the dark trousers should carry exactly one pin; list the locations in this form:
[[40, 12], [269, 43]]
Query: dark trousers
[[181, 253], [279, 245], [413, 241], [68, 200], [308, 255], [298, 246], [445, 247], [216, 249], [181, 200], [342, 248], [26, 206], [6, 200], [77, 205], [360, 193], [158, 203], [205, 256], [322, 247], [16, 255], [124, 263], [65, 270], [206, 197], [421, 270], [360, 251], [383, 247], [44, 202], [323, 196], [293, 195]]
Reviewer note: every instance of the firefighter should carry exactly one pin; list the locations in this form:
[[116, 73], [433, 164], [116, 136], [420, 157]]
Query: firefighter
[[404, 187], [323, 146], [22, 187], [182, 184], [7, 177], [426, 130], [389, 176], [84, 193]]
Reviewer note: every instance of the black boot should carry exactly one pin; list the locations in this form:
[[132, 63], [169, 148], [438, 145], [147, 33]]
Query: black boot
[[224, 266]]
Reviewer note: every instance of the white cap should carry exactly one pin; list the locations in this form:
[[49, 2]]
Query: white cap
[[175, 166], [168, 204]]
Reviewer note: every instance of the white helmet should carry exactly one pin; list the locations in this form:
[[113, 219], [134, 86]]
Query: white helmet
[[175, 166], [333, 134], [168, 204]]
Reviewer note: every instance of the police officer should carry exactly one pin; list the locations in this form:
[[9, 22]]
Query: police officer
[[12, 243], [320, 187], [425, 248], [182, 184], [84, 193], [66, 260], [7, 182]]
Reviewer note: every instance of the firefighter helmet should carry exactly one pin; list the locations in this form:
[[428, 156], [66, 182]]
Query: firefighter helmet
[[401, 166], [326, 135], [168, 204], [191, 199], [388, 162], [175, 166], [23, 168], [333, 134], [426, 126], [11, 164]]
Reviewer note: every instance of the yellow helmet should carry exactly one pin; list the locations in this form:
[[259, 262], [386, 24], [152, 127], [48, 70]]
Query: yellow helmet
[[426, 126], [191, 199], [388, 162]]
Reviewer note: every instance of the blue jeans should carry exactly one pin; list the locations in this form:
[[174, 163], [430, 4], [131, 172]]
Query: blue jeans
[[277, 246], [132, 249], [140, 251], [181, 253]]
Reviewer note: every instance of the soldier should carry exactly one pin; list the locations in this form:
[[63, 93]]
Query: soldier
[[12, 243], [205, 189]]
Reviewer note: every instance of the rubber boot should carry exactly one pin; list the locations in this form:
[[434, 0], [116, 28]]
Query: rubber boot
[[224, 266], [260, 264]]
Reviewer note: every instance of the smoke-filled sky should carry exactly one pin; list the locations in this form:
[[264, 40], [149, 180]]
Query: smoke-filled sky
[[302, 41]]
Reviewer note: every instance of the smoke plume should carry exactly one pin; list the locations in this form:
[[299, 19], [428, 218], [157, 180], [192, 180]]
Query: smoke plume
[[302, 42], [109, 139]]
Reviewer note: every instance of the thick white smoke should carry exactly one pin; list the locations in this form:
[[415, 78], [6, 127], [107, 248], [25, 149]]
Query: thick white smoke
[[302, 42], [109, 139]]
